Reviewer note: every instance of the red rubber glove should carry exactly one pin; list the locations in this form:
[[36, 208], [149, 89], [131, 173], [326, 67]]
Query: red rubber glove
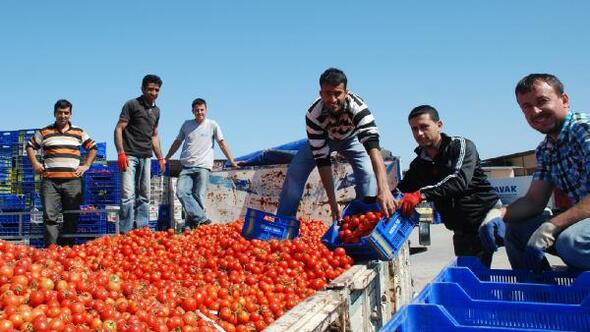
[[409, 201], [162, 163], [122, 162]]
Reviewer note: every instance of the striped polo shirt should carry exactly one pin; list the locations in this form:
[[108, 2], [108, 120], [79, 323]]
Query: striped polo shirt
[[355, 119], [61, 151]]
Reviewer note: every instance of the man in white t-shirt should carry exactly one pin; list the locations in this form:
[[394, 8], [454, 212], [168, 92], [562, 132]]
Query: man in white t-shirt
[[199, 136]]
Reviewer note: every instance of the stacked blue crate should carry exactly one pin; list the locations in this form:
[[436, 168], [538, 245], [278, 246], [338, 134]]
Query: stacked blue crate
[[101, 152], [465, 297], [102, 185], [91, 222]]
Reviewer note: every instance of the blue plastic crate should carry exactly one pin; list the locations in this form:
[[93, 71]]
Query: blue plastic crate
[[37, 243], [561, 277], [577, 293], [265, 226], [9, 225], [470, 312], [92, 222], [383, 243], [101, 151], [10, 202], [430, 317], [102, 185], [9, 137]]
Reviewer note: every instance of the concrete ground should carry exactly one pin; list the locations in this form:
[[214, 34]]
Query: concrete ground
[[426, 265]]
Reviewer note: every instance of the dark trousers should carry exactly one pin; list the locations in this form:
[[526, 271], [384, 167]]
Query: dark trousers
[[468, 244], [58, 195]]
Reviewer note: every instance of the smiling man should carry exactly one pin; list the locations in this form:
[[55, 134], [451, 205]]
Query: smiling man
[[447, 172], [199, 136], [62, 171], [563, 162], [338, 121]]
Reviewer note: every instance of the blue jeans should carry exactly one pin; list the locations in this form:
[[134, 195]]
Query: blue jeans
[[303, 163], [135, 194], [572, 245], [190, 190]]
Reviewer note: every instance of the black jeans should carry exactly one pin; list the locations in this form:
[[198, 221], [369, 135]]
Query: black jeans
[[468, 244], [66, 193]]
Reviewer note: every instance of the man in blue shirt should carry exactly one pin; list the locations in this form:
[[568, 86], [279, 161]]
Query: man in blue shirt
[[563, 161]]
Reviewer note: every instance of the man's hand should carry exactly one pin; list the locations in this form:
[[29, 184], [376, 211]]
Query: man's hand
[[80, 170], [38, 168], [409, 202], [234, 164], [386, 202], [335, 209], [491, 230], [542, 238], [122, 162], [162, 163]]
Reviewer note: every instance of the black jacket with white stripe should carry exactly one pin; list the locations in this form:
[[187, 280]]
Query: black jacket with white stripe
[[454, 181]]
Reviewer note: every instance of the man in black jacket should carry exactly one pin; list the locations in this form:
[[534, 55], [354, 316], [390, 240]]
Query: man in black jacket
[[447, 172]]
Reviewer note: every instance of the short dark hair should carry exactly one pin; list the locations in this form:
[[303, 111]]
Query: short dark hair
[[199, 101], [424, 109], [525, 85], [333, 77], [151, 78], [61, 104]]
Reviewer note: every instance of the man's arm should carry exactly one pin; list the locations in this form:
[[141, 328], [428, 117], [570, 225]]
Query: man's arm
[[463, 161], [37, 166], [384, 197], [156, 144], [225, 149], [328, 182], [121, 125], [173, 148], [84, 167], [578, 212], [531, 204]]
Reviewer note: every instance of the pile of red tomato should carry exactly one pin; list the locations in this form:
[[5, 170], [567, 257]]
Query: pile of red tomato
[[353, 227], [200, 280]]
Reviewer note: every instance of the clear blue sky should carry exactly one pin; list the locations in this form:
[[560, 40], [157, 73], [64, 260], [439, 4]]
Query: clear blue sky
[[257, 63]]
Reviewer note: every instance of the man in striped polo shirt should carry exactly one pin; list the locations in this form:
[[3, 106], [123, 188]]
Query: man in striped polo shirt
[[62, 172], [338, 121]]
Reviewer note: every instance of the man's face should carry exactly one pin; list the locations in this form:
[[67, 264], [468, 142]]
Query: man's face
[[426, 131], [62, 116], [544, 109], [200, 112], [150, 92], [334, 96]]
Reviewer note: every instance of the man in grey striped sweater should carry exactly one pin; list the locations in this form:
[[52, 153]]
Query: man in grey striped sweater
[[338, 121]]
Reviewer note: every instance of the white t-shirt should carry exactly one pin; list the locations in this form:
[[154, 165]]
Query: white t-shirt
[[199, 139]]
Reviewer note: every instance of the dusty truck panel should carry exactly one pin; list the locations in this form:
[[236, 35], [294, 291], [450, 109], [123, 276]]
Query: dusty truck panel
[[231, 192], [363, 298]]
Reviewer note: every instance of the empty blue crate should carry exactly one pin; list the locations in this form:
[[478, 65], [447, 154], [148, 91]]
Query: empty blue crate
[[575, 294], [429, 317], [10, 225], [383, 243], [101, 185], [486, 313], [559, 277], [101, 151], [91, 222], [265, 226], [9, 137], [10, 202]]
